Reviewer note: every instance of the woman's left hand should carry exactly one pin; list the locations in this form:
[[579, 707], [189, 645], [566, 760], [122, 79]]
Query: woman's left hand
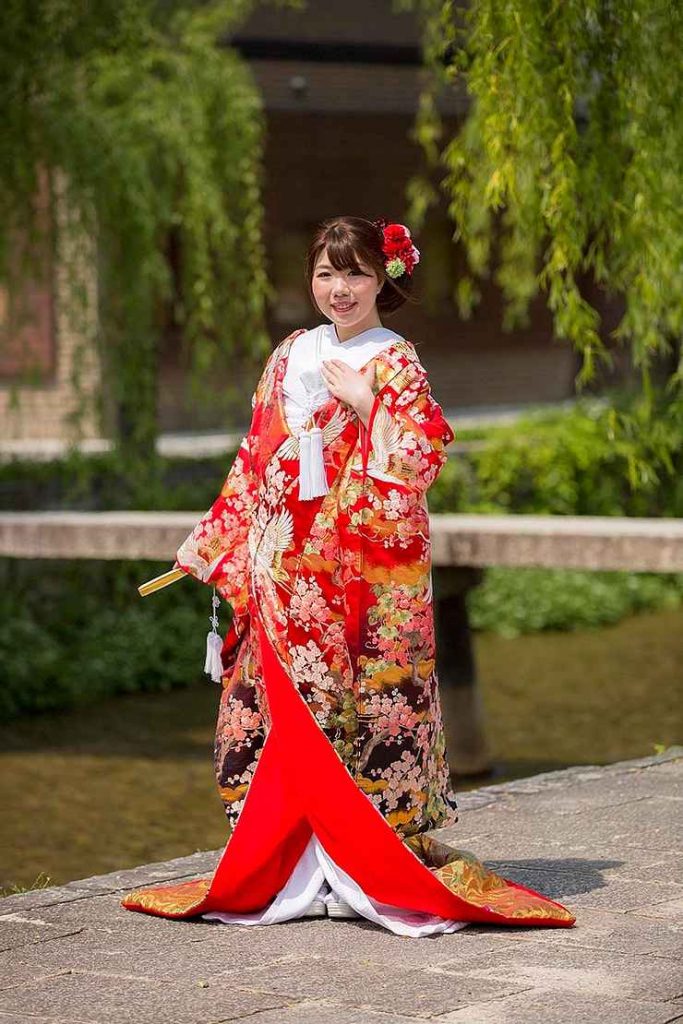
[[351, 386]]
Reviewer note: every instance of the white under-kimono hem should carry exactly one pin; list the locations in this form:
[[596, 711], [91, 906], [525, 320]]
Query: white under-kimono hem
[[313, 869]]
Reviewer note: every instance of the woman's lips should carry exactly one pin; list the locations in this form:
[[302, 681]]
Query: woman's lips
[[343, 307]]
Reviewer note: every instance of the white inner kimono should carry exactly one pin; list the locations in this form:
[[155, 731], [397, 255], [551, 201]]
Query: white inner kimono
[[316, 876], [304, 387]]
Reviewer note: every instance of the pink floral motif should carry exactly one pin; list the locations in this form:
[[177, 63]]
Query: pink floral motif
[[309, 665], [323, 539], [335, 639], [402, 778], [391, 712], [308, 603], [237, 722], [396, 505]]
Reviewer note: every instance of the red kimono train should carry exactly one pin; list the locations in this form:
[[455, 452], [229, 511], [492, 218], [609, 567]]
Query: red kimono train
[[329, 740]]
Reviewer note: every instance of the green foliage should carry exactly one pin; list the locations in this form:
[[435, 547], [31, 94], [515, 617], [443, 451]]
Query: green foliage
[[73, 632], [151, 135], [93, 483], [567, 463], [514, 601], [41, 881], [566, 168]]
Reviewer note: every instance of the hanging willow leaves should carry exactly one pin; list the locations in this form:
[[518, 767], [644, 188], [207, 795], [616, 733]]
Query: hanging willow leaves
[[152, 136], [568, 162]]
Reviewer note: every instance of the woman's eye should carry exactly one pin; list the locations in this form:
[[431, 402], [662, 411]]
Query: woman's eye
[[326, 273]]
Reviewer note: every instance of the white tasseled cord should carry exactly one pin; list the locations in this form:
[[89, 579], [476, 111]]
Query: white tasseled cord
[[213, 665], [312, 475], [305, 464], [319, 483]]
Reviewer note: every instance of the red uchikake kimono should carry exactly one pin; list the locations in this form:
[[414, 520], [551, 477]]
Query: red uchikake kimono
[[329, 729]]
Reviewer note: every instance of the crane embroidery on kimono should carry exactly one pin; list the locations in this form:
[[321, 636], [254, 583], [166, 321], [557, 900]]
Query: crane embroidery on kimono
[[276, 538], [385, 442]]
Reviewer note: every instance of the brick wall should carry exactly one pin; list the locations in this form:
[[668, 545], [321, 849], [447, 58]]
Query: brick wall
[[44, 409]]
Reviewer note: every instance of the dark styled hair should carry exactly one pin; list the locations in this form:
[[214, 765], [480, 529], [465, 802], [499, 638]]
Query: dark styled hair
[[348, 240]]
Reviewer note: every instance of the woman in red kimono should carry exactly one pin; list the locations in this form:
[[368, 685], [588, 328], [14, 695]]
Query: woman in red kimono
[[329, 752]]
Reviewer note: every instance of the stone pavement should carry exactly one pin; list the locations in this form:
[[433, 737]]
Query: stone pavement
[[604, 841]]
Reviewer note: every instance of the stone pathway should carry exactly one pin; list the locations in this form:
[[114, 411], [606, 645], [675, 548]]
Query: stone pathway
[[605, 841]]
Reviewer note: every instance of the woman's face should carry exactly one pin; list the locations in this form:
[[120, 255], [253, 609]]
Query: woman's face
[[346, 297]]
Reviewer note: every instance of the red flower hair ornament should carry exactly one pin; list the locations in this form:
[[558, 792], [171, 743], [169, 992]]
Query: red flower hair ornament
[[400, 254]]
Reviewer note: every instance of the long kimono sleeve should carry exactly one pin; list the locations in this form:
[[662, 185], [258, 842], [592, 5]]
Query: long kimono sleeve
[[216, 552], [408, 435]]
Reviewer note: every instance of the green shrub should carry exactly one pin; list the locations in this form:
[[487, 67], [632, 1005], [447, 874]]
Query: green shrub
[[73, 632], [96, 483], [561, 463], [514, 601]]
